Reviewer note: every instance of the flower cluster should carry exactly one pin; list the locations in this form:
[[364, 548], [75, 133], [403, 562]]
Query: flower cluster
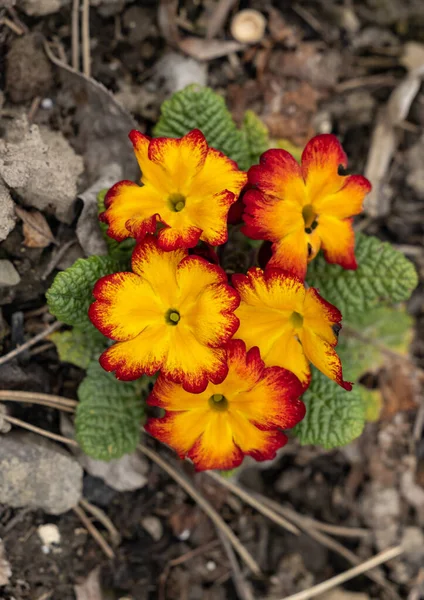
[[233, 359]]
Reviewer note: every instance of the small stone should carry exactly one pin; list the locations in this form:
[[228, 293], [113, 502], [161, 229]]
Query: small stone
[[7, 212], [5, 570], [153, 526], [177, 71], [37, 473], [50, 537], [38, 8], [28, 70], [8, 274]]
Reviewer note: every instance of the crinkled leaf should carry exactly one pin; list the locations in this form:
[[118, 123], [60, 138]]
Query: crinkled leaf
[[79, 347], [109, 413], [361, 342], [384, 275], [334, 417], [119, 250], [70, 294], [197, 107], [256, 136]]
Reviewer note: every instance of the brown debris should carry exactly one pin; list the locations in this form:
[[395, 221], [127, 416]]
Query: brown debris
[[28, 71]]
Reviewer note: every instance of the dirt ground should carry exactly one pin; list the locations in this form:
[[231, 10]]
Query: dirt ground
[[322, 66]]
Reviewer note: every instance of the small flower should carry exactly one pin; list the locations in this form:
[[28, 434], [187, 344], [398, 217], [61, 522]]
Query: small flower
[[174, 312], [241, 416], [303, 208], [290, 324], [187, 187]]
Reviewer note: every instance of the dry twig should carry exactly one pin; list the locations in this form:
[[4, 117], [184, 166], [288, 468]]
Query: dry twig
[[56, 325], [86, 60], [75, 35], [38, 398], [94, 532], [254, 502], [102, 517], [204, 505], [39, 430], [379, 559]]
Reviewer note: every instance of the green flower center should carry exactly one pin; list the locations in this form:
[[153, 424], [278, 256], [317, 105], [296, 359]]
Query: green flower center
[[176, 202], [218, 402], [172, 316], [296, 320], [309, 218]]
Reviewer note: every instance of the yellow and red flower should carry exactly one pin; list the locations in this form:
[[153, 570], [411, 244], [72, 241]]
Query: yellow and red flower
[[188, 189], [174, 312], [302, 208], [241, 416], [291, 325]]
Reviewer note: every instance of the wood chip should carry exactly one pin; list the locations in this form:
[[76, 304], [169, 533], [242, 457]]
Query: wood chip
[[37, 233]]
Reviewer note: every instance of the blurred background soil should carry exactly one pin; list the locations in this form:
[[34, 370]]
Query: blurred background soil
[[348, 67]]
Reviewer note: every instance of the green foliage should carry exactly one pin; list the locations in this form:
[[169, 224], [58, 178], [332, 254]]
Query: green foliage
[[372, 402], [362, 342], [201, 108], [70, 294], [79, 347], [256, 137], [119, 250], [384, 276], [334, 417], [109, 413]]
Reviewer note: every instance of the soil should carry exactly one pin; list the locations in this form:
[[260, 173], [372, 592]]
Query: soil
[[321, 67]]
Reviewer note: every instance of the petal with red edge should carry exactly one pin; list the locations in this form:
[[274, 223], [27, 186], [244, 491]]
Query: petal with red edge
[[191, 363], [142, 355], [173, 397], [216, 449], [180, 430], [286, 351], [124, 306], [321, 159], [159, 269], [291, 253], [320, 316], [260, 444], [347, 201], [219, 173], [211, 217], [338, 241], [172, 238], [181, 159], [279, 175], [151, 172], [323, 356], [131, 210]]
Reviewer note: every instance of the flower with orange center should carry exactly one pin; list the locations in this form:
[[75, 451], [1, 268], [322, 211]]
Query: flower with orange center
[[242, 415], [302, 208], [187, 189], [174, 312], [291, 325]]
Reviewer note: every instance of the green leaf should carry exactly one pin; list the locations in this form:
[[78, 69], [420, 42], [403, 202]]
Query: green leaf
[[373, 403], [334, 417], [197, 107], [384, 275], [256, 136], [362, 342], [119, 250], [109, 413], [79, 347], [70, 294]]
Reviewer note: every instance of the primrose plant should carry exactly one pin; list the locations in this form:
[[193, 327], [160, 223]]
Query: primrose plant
[[232, 359]]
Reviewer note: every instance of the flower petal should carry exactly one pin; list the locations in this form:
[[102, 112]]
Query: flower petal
[[218, 173], [261, 445], [172, 237], [142, 355], [323, 356], [124, 306], [152, 173], [180, 430], [291, 253], [173, 397], [180, 159], [207, 302], [211, 216], [159, 269], [279, 175], [215, 449], [268, 218], [320, 316], [191, 363], [347, 201], [286, 351], [321, 159], [338, 241], [131, 210]]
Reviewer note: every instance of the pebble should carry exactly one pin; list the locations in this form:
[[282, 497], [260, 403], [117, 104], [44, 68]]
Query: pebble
[[8, 274], [50, 537], [153, 526]]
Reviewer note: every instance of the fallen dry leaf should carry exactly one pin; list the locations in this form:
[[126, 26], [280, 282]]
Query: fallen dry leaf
[[90, 588], [208, 49], [36, 230], [399, 387]]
